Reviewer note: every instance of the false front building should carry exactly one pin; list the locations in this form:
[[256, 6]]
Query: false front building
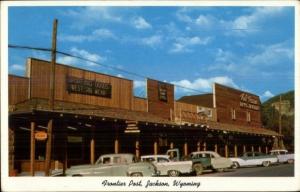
[[95, 114]]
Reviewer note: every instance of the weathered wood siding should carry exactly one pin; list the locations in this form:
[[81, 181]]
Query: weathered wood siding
[[139, 104], [17, 89], [121, 93], [228, 99], [155, 105], [188, 113]]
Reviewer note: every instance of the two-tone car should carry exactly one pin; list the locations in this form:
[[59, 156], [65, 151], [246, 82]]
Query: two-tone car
[[211, 160], [254, 159], [168, 167], [283, 155], [114, 165]]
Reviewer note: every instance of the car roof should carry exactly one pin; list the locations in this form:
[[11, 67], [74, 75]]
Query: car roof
[[118, 155], [147, 156]]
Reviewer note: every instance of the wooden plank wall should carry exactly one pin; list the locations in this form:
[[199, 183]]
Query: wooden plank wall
[[157, 107], [17, 89], [227, 99], [139, 104], [189, 113], [122, 89]]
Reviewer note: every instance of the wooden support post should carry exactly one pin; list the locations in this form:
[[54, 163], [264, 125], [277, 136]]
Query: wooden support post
[[259, 149], [137, 148], [198, 146], [252, 148], [185, 149], [235, 151], [48, 148], [226, 150], [216, 148], [155, 147], [171, 145], [116, 146], [32, 148], [244, 148], [266, 149], [204, 146], [92, 145]]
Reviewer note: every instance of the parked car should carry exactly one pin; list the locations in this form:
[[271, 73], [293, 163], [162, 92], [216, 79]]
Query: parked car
[[283, 155], [211, 160], [114, 165], [168, 167], [198, 163], [254, 159]]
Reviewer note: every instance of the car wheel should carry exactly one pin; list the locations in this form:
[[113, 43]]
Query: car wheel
[[290, 161], [235, 165], [266, 163], [137, 174], [173, 173], [198, 169]]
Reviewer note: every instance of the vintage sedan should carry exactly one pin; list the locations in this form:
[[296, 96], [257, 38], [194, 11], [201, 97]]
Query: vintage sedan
[[254, 159], [212, 160], [167, 166], [114, 165], [283, 155]]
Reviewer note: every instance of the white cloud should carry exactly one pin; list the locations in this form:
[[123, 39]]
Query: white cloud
[[87, 16], [251, 23], [139, 84], [140, 23], [81, 53], [204, 21], [271, 54], [152, 41], [98, 34], [204, 85], [16, 67], [267, 94], [183, 44], [120, 75]]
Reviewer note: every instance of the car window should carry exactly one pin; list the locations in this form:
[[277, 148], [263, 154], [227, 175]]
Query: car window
[[116, 159], [162, 160], [212, 156], [282, 152], [148, 159], [257, 154], [106, 160]]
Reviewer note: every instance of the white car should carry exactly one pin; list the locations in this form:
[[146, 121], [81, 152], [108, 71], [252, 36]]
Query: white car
[[283, 155], [254, 159], [167, 167]]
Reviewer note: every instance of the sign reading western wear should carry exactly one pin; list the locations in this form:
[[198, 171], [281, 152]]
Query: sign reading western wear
[[88, 87], [249, 102]]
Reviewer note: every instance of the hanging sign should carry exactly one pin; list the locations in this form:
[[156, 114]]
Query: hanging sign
[[40, 135]]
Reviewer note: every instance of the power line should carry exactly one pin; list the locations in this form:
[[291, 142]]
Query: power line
[[97, 63]]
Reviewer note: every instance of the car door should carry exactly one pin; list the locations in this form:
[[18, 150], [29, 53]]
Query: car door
[[248, 159], [104, 167], [163, 165], [217, 162]]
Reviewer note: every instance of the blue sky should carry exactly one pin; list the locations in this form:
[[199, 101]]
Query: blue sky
[[249, 48]]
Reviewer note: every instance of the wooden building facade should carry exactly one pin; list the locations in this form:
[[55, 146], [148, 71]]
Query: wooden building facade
[[95, 114]]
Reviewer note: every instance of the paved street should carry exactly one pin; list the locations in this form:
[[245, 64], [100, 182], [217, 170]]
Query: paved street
[[282, 170]]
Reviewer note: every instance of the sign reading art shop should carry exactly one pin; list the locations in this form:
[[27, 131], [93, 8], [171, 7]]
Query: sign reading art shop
[[249, 102], [162, 92], [88, 87]]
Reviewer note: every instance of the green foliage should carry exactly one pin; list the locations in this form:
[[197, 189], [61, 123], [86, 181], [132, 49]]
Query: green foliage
[[270, 116]]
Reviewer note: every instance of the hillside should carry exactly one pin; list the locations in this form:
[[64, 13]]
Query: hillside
[[270, 115]]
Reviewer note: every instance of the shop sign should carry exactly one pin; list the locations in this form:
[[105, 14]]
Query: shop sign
[[249, 102], [162, 92], [40, 135], [74, 139], [88, 87]]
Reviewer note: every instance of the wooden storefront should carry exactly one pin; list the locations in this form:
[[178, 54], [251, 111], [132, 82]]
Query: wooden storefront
[[96, 114]]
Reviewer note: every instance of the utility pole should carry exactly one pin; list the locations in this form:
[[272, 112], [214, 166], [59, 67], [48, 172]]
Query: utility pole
[[52, 70], [51, 100], [280, 115]]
